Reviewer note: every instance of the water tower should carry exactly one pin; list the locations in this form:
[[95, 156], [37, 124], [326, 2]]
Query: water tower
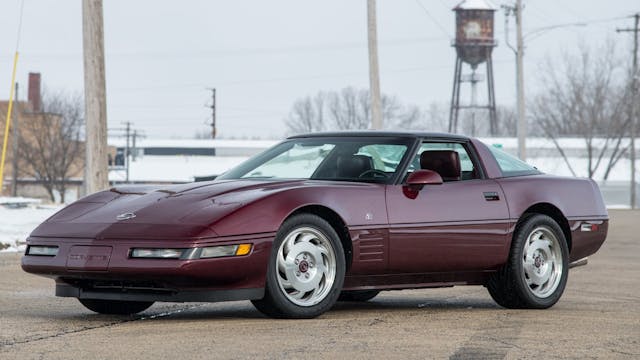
[[474, 44]]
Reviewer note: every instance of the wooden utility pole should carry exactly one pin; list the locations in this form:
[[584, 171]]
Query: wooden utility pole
[[15, 146], [214, 129], [96, 166], [374, 71], [127, 151], [522, 122], [634, 105]]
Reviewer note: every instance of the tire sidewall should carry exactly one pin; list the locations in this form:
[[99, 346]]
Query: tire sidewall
[[521, 237], [273, 290]]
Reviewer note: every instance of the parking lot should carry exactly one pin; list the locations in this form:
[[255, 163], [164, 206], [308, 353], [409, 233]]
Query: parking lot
[[598, 317]]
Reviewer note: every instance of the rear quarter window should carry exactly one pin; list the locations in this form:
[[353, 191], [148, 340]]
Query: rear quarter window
[[510, 165]]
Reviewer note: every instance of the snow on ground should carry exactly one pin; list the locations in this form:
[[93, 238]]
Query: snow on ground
[[18, 201], [16, 224], [152, 168]]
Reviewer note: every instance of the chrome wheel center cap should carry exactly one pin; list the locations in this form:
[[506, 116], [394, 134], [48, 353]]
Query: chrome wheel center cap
[[538, 261], [303, 266]]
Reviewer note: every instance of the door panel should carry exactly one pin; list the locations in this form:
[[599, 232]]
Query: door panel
[[456, 226]]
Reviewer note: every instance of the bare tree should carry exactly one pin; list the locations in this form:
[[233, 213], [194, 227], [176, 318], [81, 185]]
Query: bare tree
[[585, 98], [203, 134], [51, 150], [348, 109], [307, 115]]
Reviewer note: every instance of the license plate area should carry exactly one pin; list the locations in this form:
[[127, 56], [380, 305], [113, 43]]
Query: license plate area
[[90, 258]]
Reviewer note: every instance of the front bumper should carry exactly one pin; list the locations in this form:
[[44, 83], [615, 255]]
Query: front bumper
[[110, 273]]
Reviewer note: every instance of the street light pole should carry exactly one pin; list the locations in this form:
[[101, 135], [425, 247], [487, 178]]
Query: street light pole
[[374, 71]]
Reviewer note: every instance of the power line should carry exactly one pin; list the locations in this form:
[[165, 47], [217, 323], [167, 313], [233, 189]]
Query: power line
[[435, 21]]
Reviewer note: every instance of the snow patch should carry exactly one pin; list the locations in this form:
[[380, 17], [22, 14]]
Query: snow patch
[[17, 224]]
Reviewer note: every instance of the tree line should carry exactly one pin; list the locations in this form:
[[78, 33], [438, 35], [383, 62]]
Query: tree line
[[586, 95]]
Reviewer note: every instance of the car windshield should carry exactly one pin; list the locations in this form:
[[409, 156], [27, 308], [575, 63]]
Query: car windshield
[[361, 159]]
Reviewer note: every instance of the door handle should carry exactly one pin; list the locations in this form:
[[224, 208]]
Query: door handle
[[491, 196]]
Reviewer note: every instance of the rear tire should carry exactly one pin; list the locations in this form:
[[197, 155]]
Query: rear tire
[[358, 295], [536, 273], [306, 269], [115, 307]]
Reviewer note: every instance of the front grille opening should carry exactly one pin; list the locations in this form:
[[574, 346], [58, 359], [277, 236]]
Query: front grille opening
[[121, 286]]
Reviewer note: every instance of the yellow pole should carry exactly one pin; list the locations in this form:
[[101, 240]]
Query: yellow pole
[[8, 124]]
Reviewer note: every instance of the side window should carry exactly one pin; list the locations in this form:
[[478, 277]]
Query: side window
[[386, 157], [434, 161], [510, 165]]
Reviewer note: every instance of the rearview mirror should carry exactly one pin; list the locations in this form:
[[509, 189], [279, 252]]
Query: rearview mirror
[[418, 179]]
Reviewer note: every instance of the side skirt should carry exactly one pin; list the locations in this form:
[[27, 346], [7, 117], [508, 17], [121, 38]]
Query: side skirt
[[415, 281]]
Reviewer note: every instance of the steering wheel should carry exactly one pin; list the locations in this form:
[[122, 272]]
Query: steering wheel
[[375, 174]]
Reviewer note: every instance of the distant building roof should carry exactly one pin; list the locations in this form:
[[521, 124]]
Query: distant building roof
[[475, 5], [195, 143]]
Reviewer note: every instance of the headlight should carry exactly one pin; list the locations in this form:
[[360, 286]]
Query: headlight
[[225, 250], [38, 250], [192, 253], [157, 253]]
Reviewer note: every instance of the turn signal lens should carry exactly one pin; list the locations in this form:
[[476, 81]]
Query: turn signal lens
[[243, 249], [42, 250], [225, 250], [156, 253]]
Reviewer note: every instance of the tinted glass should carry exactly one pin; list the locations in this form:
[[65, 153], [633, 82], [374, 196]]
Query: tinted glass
[[343, 158], [467, 167], [510, 165]]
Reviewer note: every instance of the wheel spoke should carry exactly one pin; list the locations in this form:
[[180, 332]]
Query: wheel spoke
[[285, 283], [306, 237], [297, 294], [529, 266], [282, 263], [544, 277]]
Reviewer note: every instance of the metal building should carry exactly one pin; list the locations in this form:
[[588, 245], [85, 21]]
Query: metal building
[[474, 45]]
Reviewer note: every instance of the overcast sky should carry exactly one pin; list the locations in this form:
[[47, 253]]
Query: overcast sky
[[161, 56]]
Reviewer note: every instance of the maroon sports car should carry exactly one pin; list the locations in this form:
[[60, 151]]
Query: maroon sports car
[[327, 217]]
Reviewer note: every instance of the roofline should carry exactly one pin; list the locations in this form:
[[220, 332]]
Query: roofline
[[378, 133], [487, 5]]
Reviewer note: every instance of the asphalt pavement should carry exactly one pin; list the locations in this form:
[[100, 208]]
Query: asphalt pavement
[[597, 317]]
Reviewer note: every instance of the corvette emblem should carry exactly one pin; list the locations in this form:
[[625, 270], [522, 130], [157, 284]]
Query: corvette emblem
[[125, 216]]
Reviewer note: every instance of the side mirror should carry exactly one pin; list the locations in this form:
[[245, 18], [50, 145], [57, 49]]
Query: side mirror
[[418, 179], [424, 177]]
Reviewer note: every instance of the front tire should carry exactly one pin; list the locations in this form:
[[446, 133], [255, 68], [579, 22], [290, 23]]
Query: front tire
[[306, 269], [536, 273], [115, 307]]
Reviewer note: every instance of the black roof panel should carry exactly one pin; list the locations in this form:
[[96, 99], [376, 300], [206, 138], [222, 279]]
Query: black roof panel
[[378, 133]]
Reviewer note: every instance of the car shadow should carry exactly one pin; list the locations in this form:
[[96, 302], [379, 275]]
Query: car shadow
[[375, 307]]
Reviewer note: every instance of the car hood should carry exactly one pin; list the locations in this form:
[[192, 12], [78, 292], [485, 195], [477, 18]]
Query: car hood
[[137, 212]]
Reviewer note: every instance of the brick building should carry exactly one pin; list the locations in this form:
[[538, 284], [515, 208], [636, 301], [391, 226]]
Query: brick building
[[20, 178]]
